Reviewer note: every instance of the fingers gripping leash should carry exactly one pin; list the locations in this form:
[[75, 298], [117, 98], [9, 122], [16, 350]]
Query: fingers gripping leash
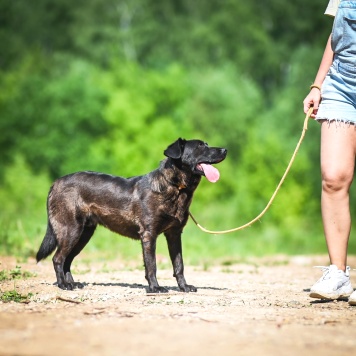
[[305, 128]]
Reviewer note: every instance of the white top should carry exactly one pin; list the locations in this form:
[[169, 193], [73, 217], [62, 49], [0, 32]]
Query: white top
[[332, 7]]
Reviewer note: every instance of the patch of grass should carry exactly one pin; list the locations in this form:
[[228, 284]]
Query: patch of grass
[[238, 261], [28, 274], [227, 270], [106, 269], [14, 296], [4, 275], [76, 270], [276, 263], [16, 273]]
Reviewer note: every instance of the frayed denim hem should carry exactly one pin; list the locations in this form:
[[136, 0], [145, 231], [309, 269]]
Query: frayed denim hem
[[339, 122]]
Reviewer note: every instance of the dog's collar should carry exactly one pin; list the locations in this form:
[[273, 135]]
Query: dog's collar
[[178, 184]]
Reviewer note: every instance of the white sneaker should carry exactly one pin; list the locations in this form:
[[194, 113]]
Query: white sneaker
[[352, 298], [334, 284]]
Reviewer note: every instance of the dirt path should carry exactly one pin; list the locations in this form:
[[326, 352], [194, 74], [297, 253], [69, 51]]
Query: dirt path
[[258, 308]]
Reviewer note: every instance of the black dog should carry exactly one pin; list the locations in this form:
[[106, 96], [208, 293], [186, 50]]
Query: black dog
[[139, 207]]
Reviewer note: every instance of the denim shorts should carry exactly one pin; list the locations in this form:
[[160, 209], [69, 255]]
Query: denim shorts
[[338, 94]]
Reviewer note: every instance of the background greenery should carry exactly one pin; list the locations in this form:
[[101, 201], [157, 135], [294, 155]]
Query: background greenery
[[107, 85]]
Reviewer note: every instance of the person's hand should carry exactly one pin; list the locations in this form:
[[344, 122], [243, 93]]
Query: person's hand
[[312, 100]]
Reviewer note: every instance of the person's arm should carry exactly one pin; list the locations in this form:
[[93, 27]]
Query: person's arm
[[314, 97]]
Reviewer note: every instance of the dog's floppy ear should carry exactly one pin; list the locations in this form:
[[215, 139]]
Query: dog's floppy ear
[[175, 150]]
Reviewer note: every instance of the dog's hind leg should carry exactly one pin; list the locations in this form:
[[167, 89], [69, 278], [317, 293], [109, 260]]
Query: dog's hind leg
[[68, 236], [85, 237], [174, 243]]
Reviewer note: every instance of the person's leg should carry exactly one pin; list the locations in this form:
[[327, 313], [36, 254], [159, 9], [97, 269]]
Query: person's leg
[[338, 148]]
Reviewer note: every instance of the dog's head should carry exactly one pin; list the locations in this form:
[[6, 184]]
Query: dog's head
[[198, 156]]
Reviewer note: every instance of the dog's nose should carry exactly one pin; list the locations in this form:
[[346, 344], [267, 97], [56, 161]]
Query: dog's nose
[[224, 151]]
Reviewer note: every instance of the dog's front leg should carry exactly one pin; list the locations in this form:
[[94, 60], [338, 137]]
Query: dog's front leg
[[149, 259], [174, 242]]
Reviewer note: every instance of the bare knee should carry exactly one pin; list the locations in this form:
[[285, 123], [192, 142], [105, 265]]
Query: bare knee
[[333, 184]]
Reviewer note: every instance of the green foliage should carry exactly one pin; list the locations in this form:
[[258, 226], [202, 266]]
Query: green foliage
[[16, 273], [107, 86], [23, 218], [143, 115], [52, 118], [14, 296]]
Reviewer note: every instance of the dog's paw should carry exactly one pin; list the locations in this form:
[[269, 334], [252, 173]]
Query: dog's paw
[[70, 286], [188, 288], [65, 286], [157, 290]]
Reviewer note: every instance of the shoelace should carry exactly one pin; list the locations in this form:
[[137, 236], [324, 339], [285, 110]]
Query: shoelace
[[322, 267], [326, 271]]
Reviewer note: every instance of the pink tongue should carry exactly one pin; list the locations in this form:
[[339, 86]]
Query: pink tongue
[[211, 173]]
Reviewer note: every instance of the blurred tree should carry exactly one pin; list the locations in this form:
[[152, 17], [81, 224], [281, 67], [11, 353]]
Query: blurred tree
[[107, 85], [52, 118], [145, 114], [155, 33]]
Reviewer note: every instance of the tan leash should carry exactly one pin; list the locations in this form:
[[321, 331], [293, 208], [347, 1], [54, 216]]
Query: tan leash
[[305, 128]]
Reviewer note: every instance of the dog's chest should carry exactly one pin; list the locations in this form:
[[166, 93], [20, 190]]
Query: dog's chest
[[178, 208]]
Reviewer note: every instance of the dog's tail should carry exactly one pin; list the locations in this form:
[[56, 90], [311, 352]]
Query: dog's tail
[[48, 244]]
